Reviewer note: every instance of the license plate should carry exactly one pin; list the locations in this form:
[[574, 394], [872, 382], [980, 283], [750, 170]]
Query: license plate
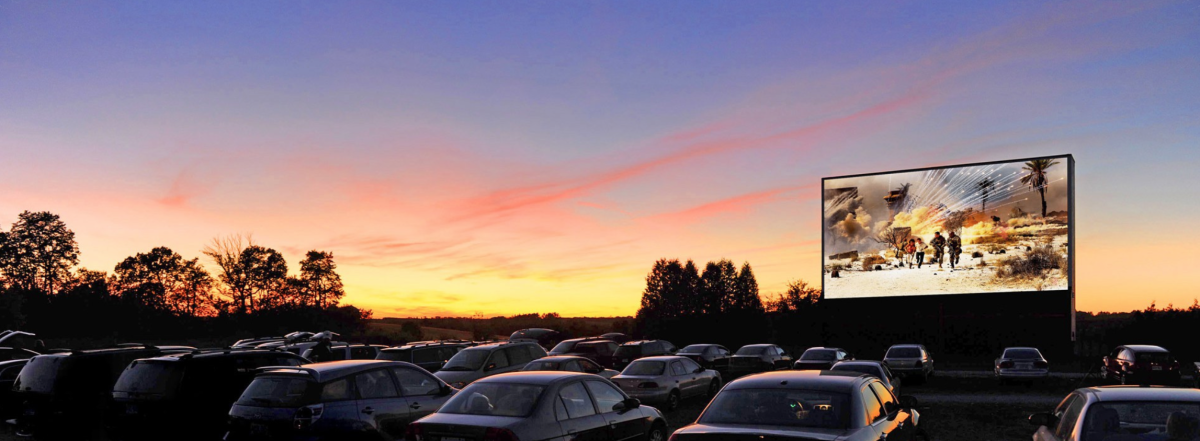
[[1024, 365], [258, 429], [1156, 368]]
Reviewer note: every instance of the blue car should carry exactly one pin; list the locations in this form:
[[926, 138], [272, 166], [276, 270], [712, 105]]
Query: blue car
[[353, 399]]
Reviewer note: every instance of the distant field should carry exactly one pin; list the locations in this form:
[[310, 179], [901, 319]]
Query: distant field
[[391, 332]]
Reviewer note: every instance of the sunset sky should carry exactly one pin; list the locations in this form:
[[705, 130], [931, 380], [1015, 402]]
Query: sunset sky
[[510, 157]]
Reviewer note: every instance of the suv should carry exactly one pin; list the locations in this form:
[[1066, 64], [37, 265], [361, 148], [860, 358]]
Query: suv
[[821, 359], [353, 399], [910, 361], [710, 356], [544, 337], [347, 351], [70, 391], [634, 350], [750, 359], [599, 349], [8, 401], [191, 390], [1141, 364], [430, 356], [481, 361]]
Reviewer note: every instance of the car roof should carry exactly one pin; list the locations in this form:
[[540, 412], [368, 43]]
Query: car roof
[[638, 342], [663, 358], [222, 353], [500, 344], [1141, 393], [907, 345], [758, 345], [427, 344], [823, 348], [1145, 348], [562, 358], [839, 381], [853, 362], [101, 352], [543, 378], [585, 339], [333, 369]]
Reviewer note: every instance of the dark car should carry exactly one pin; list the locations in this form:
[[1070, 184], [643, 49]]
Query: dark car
[[488, 359], [569, 363], [598, 349], [805, 405], [546, 338], [873, 368], [634, 350], [71, 392], [348, 351], [910, 361], [8, 399], [541, 406], [820, 359], [352, 399], [1122, 413], [193, 390], [714, 357], [750, 359], [1141, 364], [429, 355], [616, 337]]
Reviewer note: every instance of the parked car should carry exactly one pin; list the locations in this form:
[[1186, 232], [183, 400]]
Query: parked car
[[873, 368], [17, 339], [430, 355], [281, 339], [1122, 413], [569, 363], [16, 354], [597, 349], [194, 390], [481, 361], [708, 355], [821, 359], [633, 350], [1021, 363], [351, 399], [808, 405], [9, 405], [751, 359], [910, 361], [546, 338], [1141, 364], [616, 337], [667, 380], [541, 406], [68, 393], [347, 351]]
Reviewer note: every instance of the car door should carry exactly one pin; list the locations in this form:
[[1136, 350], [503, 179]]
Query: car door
[[905, 429], [699, 381], [721, 359], [577, 415], [497, 363], [422, 392], [380, 405], [682, 379], [518, 357], [1067, 414], [878, 422], [623, 425]]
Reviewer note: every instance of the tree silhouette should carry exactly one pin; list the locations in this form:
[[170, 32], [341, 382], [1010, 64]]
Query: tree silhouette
[[266, 277], [1035, 177], [985, 187], [162, 279], [745, 298], [717, 285], [38, 252], [320, 280], [226, 252]]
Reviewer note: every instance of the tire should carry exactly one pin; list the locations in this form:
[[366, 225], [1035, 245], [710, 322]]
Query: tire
[[713, 388], [657, 433], [673, 400]]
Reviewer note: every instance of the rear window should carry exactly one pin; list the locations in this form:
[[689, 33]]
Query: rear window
[[277, 392], [779, 407], [494, 399], [1154, 357], [1022, 354], [819, 355], [751, 350], [398, 355], [565, 346], [907, 352], [1145, 420], [40, 374], [150, 377], [629, 351], [860, 368], [693, 349], [645, 368], [539, 365]]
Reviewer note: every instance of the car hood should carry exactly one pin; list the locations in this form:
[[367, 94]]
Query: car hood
[[737, 432], [451, 377]]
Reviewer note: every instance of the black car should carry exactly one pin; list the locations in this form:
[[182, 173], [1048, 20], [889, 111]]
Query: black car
[[430, 355], [634, 350], [8, 400], [70, 393], [1141, 364], [710, 356], [616, 337], [758, 358], [545, 338], [598, 349], [193, 390], [820, 359]]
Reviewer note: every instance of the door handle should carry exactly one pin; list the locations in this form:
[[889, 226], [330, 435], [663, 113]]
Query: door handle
[[415, 405], [368, 410]]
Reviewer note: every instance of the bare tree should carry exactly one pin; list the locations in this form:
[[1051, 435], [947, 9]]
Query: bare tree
[[894, 237], [226, 252]]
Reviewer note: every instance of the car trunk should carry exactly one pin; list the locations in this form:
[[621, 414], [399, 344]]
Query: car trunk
[[631, 382], [746, 361], [471, 427], [716, 432]]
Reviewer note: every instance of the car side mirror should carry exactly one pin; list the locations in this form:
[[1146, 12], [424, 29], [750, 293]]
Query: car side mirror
[[627, 404], [1043, 419], [445, 390], [907, 401]]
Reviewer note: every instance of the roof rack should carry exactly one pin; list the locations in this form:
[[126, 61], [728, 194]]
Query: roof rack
[[136, 345]]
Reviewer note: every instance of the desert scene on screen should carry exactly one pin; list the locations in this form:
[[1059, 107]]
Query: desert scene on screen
[[975, 229]]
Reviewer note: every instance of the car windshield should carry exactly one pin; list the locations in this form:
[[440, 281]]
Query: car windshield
[[467, 360], [39, 374], [904, 352], [395, 355], [565, 346], [779, 407], [818, 355], [1141, 420], [693, 349], [276, 392], [628, 351], [149, 377], [494, 399], [1154, 357], [860, 368], [645, 368], [751, 350], [541, 365], [1022, 354]]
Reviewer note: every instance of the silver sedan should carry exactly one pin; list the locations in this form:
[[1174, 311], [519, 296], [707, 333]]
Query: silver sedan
[[667, 380], [1021, 364]]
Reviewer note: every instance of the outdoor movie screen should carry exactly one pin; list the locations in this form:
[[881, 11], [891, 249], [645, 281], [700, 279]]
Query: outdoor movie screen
[[978, 228]]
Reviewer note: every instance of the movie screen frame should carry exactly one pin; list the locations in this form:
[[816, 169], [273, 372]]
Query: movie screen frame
[[869, 248]]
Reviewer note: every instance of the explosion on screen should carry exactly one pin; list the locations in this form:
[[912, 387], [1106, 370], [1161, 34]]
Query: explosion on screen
[[986, 228]]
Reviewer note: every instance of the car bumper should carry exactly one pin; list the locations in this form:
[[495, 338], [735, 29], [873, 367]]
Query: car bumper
[[1022, 373], [908, 370]]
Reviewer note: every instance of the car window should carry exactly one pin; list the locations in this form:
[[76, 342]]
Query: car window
[[396, 355], [607, 349], [644, 367], [652, 348], [589, 367], [498, 360], [535, 352], [724, 351], [885, 397], [572, 366], [606, 395], [427, 355], [276, 392], [518, 355], [375, 384], [871, 405], [560, 410], [668, 347], [576, 401], [677, 368], [1069, 417], [413, 383], [336, 391], [447, 352], [689, 365]]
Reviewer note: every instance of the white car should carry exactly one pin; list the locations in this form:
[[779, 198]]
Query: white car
[[1021, 364]]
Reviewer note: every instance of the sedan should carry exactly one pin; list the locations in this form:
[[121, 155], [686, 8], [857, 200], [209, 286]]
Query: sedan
[[667, 380], [1122, 413], [541, 406], [569, 363], [1021, 364], [820, 359], [806, 405], [873, 368]]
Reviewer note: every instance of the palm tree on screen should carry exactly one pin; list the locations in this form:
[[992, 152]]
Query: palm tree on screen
[[1035, 177]]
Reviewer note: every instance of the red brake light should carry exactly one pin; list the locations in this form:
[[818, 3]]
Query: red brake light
[[499, 434], [413, 432]]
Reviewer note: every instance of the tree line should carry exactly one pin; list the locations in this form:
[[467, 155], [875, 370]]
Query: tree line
[[43, 288]]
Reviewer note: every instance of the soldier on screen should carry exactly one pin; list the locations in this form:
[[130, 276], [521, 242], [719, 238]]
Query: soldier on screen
[[939, 247], [955, 245]]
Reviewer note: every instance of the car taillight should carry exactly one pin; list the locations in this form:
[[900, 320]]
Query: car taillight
[[1041, 364], [499, 434], [307, 415], [648, 385], [1006, 364]]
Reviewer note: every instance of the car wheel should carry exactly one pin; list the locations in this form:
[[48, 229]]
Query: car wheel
[[657, 433], [713, 388], [673, 400], [1125, 379]]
